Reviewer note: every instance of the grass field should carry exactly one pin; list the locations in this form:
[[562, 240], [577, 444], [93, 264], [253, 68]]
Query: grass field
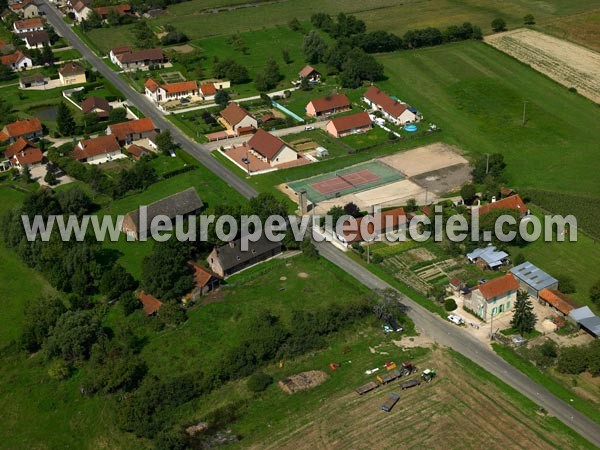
[[475, 94], [391, 15], [581, 28]]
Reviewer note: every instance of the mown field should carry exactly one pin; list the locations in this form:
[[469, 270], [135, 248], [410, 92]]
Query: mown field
[[193, 18], [583, 28]]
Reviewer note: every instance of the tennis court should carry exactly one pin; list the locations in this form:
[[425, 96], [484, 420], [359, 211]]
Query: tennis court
[[346, 181]]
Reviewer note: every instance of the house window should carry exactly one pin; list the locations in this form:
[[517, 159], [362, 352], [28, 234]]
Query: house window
[[507, 306], [493, 311]]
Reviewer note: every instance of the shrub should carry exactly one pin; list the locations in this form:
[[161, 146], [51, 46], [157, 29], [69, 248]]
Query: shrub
[[259, 381], [450, 304], [59, 370]]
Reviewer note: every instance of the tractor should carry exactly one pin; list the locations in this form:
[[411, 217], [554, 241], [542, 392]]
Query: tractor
[[408, 368], [428, 375]]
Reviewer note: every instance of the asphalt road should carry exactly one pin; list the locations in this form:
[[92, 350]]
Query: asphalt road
[[198, 151], [458, 339], [443, 332]]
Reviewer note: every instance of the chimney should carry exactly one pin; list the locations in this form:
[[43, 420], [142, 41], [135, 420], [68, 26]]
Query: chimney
[[303, 202]]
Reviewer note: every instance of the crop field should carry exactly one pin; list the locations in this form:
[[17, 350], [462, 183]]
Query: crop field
[[583, 28], [201, 19], [569, 64], [475, 94], [462, 408]]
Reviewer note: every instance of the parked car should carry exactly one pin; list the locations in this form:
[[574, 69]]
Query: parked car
[[456, 319], [309, 128], [395, 326]]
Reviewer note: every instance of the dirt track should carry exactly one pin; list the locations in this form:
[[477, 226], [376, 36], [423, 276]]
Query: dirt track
[[569, 64], [457, 410]]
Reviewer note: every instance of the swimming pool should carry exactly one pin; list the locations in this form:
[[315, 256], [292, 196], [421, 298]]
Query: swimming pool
[[411, 127]]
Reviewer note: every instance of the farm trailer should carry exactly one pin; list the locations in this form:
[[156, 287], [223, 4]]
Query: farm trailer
[[409, 384], [367, 387], [391, 400], [388, 377]]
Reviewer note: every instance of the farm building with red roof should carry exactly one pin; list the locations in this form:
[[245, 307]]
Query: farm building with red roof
[[328, 105], [352, 124]]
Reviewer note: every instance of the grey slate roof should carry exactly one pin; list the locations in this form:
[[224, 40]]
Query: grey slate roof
[[581, 313], [490, 255], [533, 276], [231, 255], [592, 324], [182, 203]]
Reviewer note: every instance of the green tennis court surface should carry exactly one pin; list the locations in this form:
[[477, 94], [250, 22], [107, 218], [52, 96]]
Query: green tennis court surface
[[357, 178]]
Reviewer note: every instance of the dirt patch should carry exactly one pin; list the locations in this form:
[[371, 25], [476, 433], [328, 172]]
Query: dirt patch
[[444, 180], [414, 341], [459, 409], [303, 381], [569, 64], [428, 158], [282, 278], [303, 275], [186, 48]]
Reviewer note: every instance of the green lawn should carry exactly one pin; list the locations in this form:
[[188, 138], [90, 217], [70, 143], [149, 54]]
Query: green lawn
[[389, 15], [475, 94]]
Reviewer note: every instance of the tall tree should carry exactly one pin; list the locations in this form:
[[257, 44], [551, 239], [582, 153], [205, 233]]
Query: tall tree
[[64, 120], [523, 319], [164, 142], [222, 98], [314, 47]]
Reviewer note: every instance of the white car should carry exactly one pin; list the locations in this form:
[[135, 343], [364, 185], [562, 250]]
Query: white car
[[456, 319], [309, 128]]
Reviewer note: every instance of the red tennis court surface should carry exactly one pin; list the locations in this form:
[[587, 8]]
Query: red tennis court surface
[[341, 182]]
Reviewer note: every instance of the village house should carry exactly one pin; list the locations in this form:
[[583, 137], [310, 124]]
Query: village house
[[172, 91], [230, 258], [558, 301], [493, 297], [81, 10], [326, 106], [35, 80], [311, 74], [16, 61], [105, 11], [237, 118], [391, 109], [533, 279], [352, 124], [513, 202], [96, 105], [36, 39], [138, 224], [208, 91], [97, 150], [28, 25], [23, 153], [204, 282], [271, 149], [150, 304], [129, 59], [137, 151], [127, 132], [376, 225], [26, 9], [71, 73], [27, 129], [488, 258]]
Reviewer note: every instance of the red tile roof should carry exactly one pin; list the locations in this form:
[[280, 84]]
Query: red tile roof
[[150, 303], [121, 49], [31, 155], [560, 301], [152, 54], [385, 102], [71, 68], [512, 202], [352, 122], [234, 114], [208, 89], [18, 146], [92, 103], [182, 86], [137, 151], [13, 58], [124, 129], [266, 144], [384, 222], [22, 127], [498, 287], [201, 275], [96, 146], [28, 23], [151, 85], [121, 9], [307, 71], [335, 101]]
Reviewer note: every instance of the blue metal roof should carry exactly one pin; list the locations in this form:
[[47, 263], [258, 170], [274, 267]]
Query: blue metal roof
[[533, 276], [490, 255], [592, 324], [581, 313]]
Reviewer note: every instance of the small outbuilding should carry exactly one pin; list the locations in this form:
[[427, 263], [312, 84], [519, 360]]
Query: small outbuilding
[[533, 279]]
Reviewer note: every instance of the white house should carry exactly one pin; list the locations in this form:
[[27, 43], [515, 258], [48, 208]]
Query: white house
[[28, 25], [81, 11], [237, 117], [493, 297], [16, 61], [96, 150], [392, 110], [164, 92], [271, 149]]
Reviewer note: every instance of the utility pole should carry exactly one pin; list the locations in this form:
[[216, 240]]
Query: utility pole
[[524, 110], [492, 325], [487, 163], [368, 252]]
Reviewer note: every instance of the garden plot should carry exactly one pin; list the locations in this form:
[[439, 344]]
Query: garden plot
[[569, 64]]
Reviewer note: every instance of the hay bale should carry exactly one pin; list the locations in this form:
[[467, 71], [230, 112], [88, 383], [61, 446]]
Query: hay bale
[[302, 381]]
